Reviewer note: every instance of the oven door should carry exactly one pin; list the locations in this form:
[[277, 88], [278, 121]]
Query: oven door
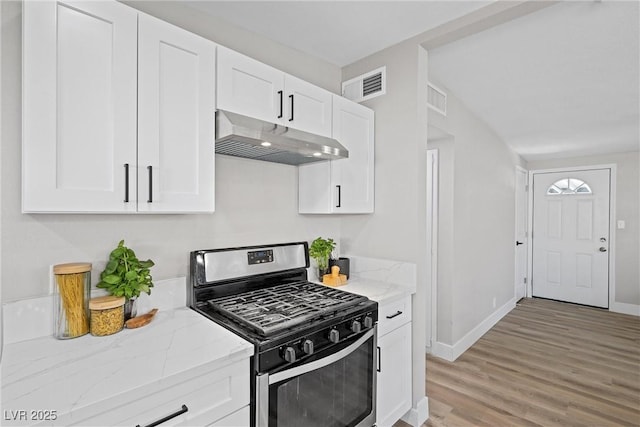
[[337, 388]]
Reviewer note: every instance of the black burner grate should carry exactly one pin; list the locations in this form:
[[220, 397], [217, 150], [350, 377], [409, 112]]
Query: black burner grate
[[281, 307]]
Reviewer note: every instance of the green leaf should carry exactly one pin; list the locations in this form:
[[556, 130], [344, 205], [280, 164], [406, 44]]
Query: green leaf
[[146, 264], [111, 267], [112, 279], [130, 275]]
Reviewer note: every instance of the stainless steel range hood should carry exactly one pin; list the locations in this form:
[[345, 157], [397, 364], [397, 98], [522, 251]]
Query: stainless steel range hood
[[242, 136]]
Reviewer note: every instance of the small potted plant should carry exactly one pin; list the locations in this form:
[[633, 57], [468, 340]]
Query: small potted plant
[[126, 276], [320, 250]]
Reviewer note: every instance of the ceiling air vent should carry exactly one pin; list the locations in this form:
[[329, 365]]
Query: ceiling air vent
[[366, 86], [436, 99]]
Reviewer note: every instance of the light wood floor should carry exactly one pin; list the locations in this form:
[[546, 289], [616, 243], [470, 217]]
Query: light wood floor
[[544, 364]]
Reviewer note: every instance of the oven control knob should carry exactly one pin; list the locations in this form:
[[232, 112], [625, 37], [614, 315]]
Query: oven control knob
[[356, 326], [334, 336], [290, 354], [368, 322], [307, 347]]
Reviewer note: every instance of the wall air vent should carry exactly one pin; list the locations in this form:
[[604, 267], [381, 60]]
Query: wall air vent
[[436, 99], [366, 86]]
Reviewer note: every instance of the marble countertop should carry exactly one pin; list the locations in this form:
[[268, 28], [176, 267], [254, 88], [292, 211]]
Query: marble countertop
[[379, 291], [67, 375]]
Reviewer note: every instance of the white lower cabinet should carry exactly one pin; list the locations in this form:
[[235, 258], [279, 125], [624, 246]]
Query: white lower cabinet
[[394, 361], [237, 419], [214, 397]]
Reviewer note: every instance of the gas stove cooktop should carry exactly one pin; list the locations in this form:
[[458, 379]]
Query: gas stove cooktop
[[269, 310]]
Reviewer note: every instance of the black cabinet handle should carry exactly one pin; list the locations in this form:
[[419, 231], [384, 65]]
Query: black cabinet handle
[[150, 169], [281, 102], [291, 99], [379, 359], [126, 182], [339, 196], [168, 417], [398, 313], [519, 243]]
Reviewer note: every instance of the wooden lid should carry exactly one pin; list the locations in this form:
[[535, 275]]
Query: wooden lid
[[106, 302], [71, 268]]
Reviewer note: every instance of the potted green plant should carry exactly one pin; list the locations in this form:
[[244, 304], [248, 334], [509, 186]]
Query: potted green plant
[[320, 250], [126, 276]]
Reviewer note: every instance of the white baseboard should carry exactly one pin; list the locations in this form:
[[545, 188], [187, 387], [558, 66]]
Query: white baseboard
[[451, 352], [624, 308], [419, 414]]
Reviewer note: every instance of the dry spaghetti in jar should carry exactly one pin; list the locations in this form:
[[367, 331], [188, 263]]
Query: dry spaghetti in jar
[[71, 299]]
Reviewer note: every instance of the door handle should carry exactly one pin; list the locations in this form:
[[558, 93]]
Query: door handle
[[126, 182], [281, 102], [291, 117], [602, 249], [519, 243], [150, 169]]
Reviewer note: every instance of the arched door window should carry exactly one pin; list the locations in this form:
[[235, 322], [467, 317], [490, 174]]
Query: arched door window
[[569, 186]]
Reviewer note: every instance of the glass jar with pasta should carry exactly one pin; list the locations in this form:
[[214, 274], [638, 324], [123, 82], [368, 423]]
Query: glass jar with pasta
[[71, 299]]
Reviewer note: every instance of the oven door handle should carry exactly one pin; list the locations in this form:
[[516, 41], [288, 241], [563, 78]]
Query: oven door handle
[[321, 363]]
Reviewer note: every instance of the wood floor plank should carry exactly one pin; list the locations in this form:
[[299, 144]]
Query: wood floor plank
[[544, 364]]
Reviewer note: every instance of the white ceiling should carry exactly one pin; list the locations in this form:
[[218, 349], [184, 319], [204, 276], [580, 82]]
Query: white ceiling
[[340, 32], [562, 81]]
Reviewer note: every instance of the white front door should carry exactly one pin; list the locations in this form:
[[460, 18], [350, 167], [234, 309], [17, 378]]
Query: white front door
[[521, 234], [571, 236]]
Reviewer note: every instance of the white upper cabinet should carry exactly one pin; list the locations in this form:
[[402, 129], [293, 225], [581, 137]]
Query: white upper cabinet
[[345, 185], [105, 97], [79, 107], [249, 87], [176, 118], [254, 89]]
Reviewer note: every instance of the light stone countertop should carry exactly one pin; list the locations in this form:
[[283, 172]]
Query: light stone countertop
[[379, 291], [67, 375]]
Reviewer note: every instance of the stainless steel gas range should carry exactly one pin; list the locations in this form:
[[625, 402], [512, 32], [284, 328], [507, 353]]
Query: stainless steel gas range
[[315, 346]]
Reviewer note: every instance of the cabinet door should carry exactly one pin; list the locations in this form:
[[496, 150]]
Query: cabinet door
[[394, 377], [176, 119], [346, 185], [79, 107], [352, 178], [307, 107], [249, 87]]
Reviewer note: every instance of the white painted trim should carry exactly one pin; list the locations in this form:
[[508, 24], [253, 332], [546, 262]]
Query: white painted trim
[[612, 221], [624, 308], [452, 352], [419, 414], [432, 240], [527, 229]]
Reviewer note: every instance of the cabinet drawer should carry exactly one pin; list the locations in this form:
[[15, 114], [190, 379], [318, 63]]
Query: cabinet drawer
[[208, 395], [394, 314]]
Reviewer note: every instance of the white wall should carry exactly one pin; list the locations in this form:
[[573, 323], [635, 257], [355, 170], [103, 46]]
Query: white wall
[[256, 202], [627, 268], [397, 229], [477, 264]]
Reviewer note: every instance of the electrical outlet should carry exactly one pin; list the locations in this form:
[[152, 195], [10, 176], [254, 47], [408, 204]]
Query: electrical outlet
[[621, 224]]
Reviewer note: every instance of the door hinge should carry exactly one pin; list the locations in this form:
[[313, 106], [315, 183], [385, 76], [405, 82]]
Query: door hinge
[[525, 280], [526, 188]]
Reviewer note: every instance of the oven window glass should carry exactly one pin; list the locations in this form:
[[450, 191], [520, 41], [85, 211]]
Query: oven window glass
[[337, 395]]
